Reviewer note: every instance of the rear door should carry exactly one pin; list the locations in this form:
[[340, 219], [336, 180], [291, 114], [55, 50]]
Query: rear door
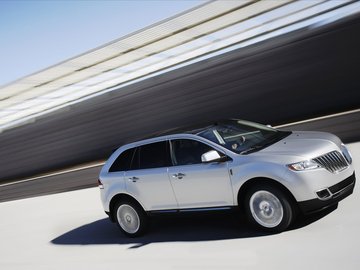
[[148, 179]]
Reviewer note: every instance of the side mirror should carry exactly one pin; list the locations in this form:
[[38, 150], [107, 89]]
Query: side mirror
[[213, 156]]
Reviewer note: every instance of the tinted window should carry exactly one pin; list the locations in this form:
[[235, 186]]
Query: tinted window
[[123, 162], [154, 155], [136, 159], [186, 152]]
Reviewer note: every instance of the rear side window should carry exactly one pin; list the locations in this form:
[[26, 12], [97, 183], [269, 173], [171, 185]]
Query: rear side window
[[123, 162], [154, 155]]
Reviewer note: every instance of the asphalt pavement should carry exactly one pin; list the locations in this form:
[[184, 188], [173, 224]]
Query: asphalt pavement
[[86, 175]]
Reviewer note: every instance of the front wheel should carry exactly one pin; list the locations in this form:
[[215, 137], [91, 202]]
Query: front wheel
[[131, 218], [269, 208]]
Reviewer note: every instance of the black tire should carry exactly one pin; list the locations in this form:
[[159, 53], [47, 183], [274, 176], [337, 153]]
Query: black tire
[[134, 219], [262, 204]]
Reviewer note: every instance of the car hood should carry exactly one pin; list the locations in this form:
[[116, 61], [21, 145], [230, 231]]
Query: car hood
[[304, 144]]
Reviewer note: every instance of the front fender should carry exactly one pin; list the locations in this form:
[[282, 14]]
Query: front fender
[[245, 172]]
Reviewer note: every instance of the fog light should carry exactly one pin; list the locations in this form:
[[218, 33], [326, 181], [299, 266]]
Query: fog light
[[323, 194]]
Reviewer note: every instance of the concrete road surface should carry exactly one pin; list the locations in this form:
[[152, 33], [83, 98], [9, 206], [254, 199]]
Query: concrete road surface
[[70, 231]]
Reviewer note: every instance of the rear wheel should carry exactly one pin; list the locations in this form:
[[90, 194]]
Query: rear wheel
[[268, 208], [130, 218]]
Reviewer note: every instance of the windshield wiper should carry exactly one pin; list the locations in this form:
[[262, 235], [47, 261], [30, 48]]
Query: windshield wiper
[[266, 144], [251, 149]]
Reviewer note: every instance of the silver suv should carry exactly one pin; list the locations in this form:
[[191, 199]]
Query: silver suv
[[269, 174]]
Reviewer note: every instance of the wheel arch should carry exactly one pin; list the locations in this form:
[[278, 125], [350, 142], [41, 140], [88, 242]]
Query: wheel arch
[[121, 197], [263, 180]]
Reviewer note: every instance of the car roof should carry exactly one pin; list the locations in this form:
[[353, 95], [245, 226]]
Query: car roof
[[189, 129], [185, 129]]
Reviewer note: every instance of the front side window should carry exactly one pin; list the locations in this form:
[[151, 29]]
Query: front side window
[[187, 152]]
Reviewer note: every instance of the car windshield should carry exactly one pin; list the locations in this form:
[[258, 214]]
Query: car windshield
[[242, 137]]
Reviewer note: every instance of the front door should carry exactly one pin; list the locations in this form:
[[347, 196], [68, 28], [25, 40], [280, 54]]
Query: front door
[[197, 184]]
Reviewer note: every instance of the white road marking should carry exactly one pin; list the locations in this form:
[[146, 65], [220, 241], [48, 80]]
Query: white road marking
[[56, 173], [319, 118]]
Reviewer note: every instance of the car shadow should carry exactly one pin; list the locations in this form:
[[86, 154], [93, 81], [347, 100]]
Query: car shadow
[[219, 226]]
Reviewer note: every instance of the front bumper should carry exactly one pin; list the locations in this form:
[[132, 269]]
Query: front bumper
[[340, 191]]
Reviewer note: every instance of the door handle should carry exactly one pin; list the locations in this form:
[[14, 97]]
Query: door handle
[[133, 179], [178, 175]]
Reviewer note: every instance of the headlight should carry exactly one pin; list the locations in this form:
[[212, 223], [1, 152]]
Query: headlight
[[346, 153], [303, 165]]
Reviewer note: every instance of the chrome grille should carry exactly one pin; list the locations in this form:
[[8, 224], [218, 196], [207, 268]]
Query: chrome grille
[[332, 161]]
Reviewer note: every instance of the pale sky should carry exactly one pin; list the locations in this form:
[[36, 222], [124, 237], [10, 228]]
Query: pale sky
[[37, 34]]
